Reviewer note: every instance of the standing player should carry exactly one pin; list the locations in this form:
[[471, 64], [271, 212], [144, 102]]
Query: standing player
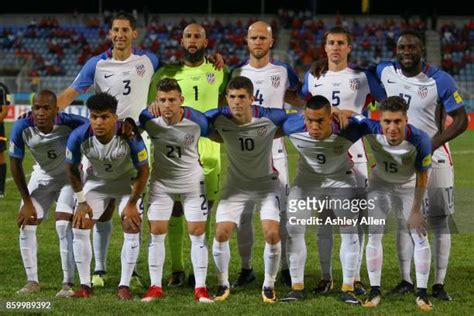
[[431, 94], [45, 133], [118, 169], [352, 90], [4, 102], [177, 172], [124, 72], [325, 171], [400, 151], [203, 88], [272, 81], [248, 132]]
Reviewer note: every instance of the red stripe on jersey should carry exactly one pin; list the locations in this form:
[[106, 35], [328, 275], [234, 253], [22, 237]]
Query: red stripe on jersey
[[368, 99], [187, 113], [427, 68], [257, 111], [409, 132], [449, 154]]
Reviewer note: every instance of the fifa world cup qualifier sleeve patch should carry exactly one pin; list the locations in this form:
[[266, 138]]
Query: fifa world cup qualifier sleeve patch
[[426, 161], [457, 97], [142, 155]]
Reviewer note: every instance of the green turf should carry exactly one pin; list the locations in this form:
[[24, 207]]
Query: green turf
[[459, 280]]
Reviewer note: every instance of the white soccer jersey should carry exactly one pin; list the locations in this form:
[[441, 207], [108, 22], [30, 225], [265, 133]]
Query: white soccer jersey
[[48, 150], [428, 94], [114, 160], [318, 158], [347, 89], [269, 85], [249, 146], [397, 164], [126, 80], [176, 163]]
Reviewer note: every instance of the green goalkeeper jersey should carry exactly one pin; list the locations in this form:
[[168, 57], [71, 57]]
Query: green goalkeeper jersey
[[201, 85]]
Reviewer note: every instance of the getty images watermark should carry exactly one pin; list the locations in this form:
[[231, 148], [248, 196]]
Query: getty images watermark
[[344, 211]]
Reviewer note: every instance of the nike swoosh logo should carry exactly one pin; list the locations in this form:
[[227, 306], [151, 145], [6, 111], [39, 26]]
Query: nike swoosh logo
[[204, 214], [388, 81], [318, 85], [202, 246], [108, 76], [134, 247], [302, 146], [226, 130]]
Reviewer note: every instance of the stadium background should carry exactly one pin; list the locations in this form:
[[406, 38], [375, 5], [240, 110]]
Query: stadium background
[[46, 49]]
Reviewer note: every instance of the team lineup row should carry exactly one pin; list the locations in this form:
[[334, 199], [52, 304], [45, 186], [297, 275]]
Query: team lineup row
[[420, 85]]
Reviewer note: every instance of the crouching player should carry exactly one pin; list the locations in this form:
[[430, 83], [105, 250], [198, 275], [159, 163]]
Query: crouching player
[[45, 133], [118, 169], [176, 173], [398, 182]]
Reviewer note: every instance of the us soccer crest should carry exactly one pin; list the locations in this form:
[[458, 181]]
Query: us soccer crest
[[140, 70], [354, 84], [188, 139], [422, 92], [262, 131], [211, 77], [275, 81], [339, 149], [406, 160]]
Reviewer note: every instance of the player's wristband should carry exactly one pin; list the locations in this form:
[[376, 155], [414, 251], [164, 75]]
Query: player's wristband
[[80, 197]]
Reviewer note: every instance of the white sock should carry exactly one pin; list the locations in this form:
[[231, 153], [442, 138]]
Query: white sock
[[297, 257], [199, 258], [29, 249], [325, 242], [245, 237], [130, 251], [271, 259], [405, 251], [284, 241], [64, 230], [422, 258], [349, 256], [441, 246], [374, 257], [361, 234], [83, 254], [156, 258], [101, 239], [221, 254]]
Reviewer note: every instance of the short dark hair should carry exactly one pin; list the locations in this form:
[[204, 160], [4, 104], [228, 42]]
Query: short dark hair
[[414, 33], [240, 82], [48, 93], [122, 15], [102, 101], [394, 104], [318, 102], [167, 85], [338, 30]]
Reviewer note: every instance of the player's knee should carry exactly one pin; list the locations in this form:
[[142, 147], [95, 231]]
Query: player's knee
[[129, 228], [222, 234], [86, 224], [197, 230], [272, 235]]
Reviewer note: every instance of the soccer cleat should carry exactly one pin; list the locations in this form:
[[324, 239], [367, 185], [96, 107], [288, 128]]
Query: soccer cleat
[[286, 277], [98, 279], [349, 297], [402, 288], [83, 292], [176, 279], [374, 298], [359, 288], [439, 292], [201, 295], [124, 293], [29, 288], [268, 295], [246, 276], [323, 287], [423, 302], [222, 294], [293, 296], [154, 292], [136, 282], [66, 291]]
